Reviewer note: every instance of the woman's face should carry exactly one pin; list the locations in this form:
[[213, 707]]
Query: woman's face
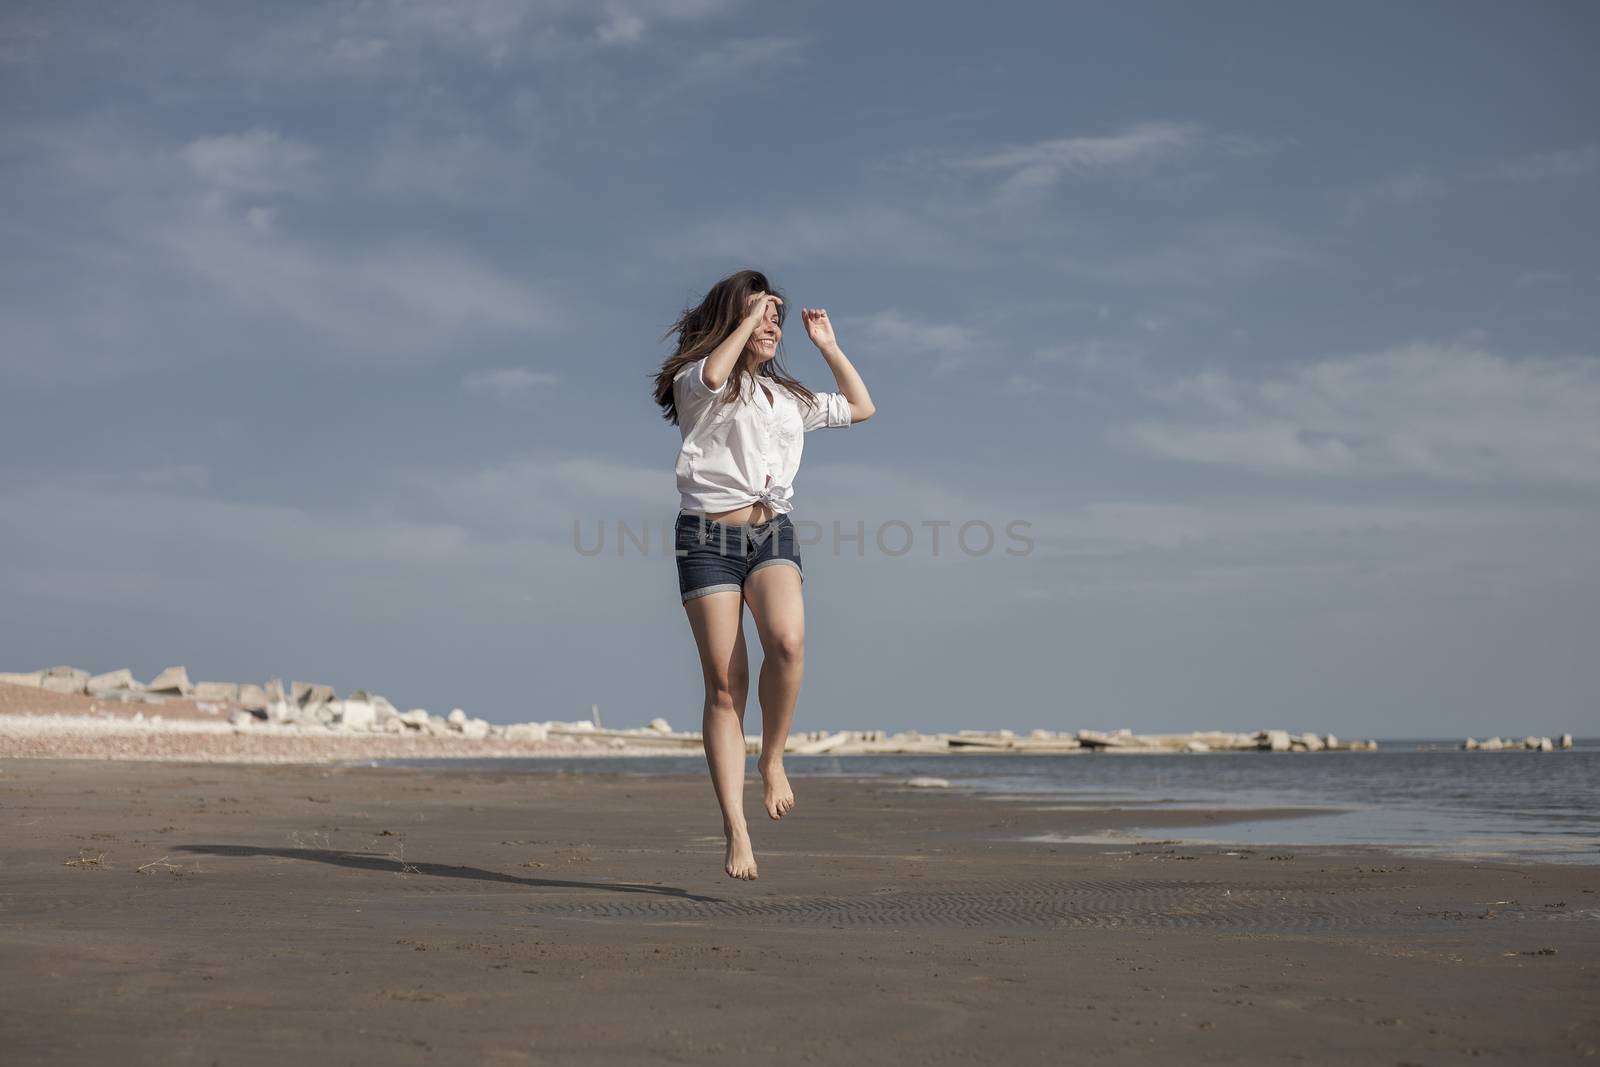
[[764, 341]]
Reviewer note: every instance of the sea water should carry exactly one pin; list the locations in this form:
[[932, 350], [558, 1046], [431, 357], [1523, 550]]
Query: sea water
[[1426, 797]]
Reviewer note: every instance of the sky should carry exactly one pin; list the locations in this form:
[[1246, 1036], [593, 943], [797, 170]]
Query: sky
[[328, 335]]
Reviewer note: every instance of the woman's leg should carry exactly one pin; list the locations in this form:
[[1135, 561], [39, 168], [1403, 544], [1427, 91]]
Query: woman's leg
[[773, 593], [717, 620]]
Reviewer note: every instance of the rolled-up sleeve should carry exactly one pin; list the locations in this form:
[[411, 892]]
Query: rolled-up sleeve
[[831, 410], [693, 378]]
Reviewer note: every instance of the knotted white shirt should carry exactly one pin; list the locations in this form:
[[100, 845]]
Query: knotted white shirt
[[747, 450]]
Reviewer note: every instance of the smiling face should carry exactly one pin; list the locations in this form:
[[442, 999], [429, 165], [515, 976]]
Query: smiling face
[[764, 341]]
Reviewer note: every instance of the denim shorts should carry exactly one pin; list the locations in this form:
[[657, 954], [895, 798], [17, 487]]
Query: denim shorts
[[713, 556]]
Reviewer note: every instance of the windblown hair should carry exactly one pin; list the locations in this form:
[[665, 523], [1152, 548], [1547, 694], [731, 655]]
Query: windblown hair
[[702, 328]]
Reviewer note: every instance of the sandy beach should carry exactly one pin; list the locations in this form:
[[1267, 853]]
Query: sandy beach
[[246, 913]]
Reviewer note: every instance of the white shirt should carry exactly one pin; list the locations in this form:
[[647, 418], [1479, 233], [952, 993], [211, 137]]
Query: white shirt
[[747, 450]]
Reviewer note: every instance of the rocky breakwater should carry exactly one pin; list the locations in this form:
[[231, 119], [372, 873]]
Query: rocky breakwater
[[1530, 743], [68, 712], [1045, 742]]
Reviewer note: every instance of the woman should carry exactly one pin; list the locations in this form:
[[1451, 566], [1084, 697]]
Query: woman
[[743, 419]]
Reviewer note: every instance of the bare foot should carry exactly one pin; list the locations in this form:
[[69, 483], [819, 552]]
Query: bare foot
[[775, 791], [741, 859]]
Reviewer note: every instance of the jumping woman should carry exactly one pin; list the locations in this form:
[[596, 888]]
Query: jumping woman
[[743, 419]]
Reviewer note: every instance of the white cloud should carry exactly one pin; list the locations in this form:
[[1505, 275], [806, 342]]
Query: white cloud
[[1096, 356], [620, 27], [942, 347], [175, 258], [398, 301], [21, 39], [1446, 411], [1536, 278], [257, 162], [507, 380], [1100, 370], [1217, 252], [880, 231], [385, 38], [1136, 144], [628, 21], [1401, 190], [539, 497], [460, 168], [1043, 164], [157, 521], [1579, 162], [741, 55]]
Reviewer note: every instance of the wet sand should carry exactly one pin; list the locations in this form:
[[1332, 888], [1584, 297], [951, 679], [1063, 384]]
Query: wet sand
[[203, 913]]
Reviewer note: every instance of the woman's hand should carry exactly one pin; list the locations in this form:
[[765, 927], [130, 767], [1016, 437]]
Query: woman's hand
[[818, 328], [756, 305]]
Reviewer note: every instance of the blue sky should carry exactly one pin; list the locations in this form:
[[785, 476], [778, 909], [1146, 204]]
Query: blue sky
[[321, 326]]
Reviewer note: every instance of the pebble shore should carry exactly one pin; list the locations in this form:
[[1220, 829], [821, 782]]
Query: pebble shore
[[85, 737]]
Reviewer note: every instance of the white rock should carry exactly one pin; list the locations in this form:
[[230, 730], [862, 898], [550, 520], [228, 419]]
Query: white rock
[[252, 697], [309, 694], [1196, 746], [228, 691], [32, 678], [928, 783], [661, 726], [1566, 740], [1276, 740], [527, 731], [65, 680], [825, 744], [113, 681], [357, 714], [475, 729], [242, 720], [173, 680], [456, 718]]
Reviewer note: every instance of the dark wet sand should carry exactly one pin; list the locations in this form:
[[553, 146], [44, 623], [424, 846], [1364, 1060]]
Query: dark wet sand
[[319, 915]]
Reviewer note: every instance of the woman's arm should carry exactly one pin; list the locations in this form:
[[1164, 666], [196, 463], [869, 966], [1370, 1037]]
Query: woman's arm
[[850, 383], [719, 364]]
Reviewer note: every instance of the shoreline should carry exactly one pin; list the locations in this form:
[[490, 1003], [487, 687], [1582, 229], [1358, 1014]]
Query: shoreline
[[1323, 821], [249, 913]]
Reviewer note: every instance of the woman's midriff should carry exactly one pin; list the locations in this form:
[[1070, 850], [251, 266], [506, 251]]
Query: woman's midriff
[[750, 513]]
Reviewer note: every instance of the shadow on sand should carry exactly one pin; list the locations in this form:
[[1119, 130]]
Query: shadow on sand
[[377, 861]]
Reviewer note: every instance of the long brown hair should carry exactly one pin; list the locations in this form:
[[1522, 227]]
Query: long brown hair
[[703, 327]]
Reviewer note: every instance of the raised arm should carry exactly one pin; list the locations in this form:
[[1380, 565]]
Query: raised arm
[[719, 364], [854, 389]]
